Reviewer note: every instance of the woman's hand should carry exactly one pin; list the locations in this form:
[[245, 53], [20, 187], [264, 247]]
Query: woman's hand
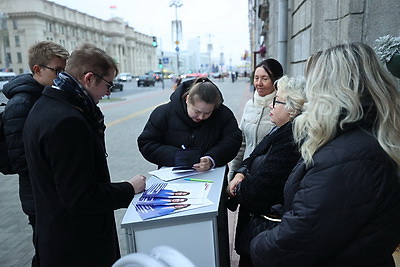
[[204, 165], [232, 185]]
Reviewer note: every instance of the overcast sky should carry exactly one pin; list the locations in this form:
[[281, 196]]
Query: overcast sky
[[223, 22]]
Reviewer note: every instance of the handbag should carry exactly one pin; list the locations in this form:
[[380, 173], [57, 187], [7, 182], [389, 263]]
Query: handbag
[[256, 225]]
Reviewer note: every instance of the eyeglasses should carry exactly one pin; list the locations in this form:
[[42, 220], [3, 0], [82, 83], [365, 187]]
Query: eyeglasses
[[56, 70], [274, 101], [110, 85]]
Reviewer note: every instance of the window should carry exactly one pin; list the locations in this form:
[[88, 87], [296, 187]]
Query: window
[[15, 25], [8, 59], [6, 41], [49, 26], [17, 42], [19, 57]]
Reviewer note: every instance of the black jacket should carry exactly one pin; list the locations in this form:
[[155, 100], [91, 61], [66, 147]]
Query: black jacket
[[169, 127], [75, 199], [22, 91], [266, 171], [344, 210]]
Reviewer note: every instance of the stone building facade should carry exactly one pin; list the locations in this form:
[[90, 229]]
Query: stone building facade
[[23, 23], [292, 30]]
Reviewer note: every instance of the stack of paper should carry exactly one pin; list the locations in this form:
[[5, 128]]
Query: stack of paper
[[166, 198]]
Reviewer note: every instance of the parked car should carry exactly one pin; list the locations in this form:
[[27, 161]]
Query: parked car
[[5, 77], [117, 85], [156, 74], [216, 75], [146, 80], [124, 77]]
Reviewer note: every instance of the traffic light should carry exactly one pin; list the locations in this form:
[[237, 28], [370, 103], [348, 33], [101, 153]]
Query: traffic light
[[160, 65], [154, 43]]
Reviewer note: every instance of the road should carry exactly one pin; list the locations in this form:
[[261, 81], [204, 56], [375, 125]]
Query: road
[[125, 113]]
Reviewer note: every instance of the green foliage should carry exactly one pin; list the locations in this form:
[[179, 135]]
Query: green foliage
[[386, 47]]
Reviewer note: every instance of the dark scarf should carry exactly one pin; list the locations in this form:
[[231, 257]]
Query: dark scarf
[[83, 102]]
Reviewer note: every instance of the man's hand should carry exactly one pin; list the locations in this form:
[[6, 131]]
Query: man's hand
[[138, 182]]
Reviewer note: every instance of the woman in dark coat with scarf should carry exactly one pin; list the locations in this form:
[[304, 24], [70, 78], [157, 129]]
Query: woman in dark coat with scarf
[[258, 183]]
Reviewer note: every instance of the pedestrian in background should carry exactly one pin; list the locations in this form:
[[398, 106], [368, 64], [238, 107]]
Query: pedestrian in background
[[258, 183], [46, 60], [255, 122], [342, 201], [67, 160], [177, 82], [195, 118]]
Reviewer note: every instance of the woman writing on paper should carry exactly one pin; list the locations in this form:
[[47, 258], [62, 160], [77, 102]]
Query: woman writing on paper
[[196, 118]]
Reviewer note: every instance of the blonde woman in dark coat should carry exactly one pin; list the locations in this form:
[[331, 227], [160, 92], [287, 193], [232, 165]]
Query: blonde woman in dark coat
[[342, 201]]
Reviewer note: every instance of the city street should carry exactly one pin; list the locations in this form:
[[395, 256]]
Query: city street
[[126, 113]]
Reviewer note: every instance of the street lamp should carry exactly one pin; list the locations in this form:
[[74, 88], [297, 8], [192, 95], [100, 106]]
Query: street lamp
[[178, 25]]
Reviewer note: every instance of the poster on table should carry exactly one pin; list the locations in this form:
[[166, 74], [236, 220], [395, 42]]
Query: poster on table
[[166, 198]]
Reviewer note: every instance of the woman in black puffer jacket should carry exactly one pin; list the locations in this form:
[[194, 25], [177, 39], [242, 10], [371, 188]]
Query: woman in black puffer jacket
[[194, 118]]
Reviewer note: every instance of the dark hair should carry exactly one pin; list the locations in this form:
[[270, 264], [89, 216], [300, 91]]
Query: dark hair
[[272, 67], [87, 58], [205, 90]]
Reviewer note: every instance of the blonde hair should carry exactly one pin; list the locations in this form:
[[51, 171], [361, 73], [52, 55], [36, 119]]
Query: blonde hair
[[339, 81], [43, 52], [291, 89]]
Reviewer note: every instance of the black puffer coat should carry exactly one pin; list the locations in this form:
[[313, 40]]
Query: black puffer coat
[[22, 91], [169, 127], [344, 210]]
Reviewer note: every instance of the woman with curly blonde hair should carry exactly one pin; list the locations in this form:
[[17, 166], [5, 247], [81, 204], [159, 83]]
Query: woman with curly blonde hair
[[342, 201]]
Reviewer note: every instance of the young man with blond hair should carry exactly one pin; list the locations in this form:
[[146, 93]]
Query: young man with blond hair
[[46, 60]]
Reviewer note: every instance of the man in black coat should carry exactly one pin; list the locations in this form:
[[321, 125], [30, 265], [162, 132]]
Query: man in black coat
[[67, 161], [46, 60]]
